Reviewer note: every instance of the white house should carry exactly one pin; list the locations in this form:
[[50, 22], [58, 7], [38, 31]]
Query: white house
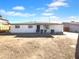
[[36, 28]]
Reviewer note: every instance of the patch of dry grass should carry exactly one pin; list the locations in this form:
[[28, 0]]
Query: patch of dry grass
[[38, 48]]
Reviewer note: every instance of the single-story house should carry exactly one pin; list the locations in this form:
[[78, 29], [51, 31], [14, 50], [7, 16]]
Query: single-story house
[[36, 28], [71, 26], [4, 25]]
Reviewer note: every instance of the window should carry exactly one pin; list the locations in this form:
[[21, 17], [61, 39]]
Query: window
[[17, 26], [30, 26]]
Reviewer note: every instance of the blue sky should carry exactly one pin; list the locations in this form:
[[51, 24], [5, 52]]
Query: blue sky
[[39, 10]]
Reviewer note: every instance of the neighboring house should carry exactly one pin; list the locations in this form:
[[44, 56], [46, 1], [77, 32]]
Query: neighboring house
[[71, 26], [4, 25], [37, 28]]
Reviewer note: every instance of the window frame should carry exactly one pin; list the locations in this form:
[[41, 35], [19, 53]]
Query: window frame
[[30, 26], [17, 26]]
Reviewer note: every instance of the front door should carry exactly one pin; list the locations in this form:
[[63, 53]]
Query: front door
[[38, 29]]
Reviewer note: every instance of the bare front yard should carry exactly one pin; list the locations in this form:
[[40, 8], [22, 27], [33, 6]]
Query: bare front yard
[[55, 47]]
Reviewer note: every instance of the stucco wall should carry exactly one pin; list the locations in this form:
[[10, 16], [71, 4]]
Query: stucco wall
[[74, 28], [42, 27], [57, 28], [23, 29]]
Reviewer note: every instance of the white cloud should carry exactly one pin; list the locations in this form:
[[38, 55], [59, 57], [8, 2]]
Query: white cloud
[[70, 18], [18, 8], [56, 4], [8, 13], [60, 0], [51, 9], [55, 18], [47, 14], [13, 13], [73, 18], [2, 11], [51, 19]]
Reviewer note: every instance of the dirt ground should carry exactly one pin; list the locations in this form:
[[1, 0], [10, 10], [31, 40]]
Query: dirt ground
[[54, 47]]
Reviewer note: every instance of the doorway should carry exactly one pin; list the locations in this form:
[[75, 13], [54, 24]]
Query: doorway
[[38, 29]]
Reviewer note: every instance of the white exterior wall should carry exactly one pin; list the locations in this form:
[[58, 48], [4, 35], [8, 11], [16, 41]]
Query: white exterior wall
[[57, 28], [23, 29], [42, 27]]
